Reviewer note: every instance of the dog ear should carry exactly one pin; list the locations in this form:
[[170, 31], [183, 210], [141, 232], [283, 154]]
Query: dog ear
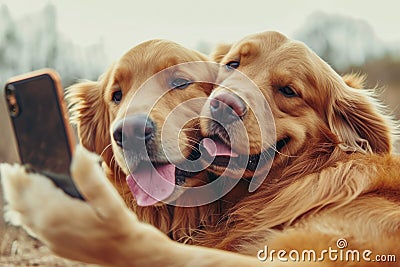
[[220, 51], [358, 119], [89, 113]]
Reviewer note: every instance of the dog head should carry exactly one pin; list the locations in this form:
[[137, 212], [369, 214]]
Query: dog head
[[311, 106], [133, 117]]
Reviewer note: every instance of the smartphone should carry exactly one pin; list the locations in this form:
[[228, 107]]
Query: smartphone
[[38, 133]]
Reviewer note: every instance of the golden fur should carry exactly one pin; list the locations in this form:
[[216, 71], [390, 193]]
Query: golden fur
[[336, 166], [94, 114], [336, 176]]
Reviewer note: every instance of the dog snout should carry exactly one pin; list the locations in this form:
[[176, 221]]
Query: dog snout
[[227, 107], [133, 131]]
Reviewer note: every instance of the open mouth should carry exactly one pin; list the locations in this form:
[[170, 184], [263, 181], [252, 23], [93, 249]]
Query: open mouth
[[224, 156], [153, 182]]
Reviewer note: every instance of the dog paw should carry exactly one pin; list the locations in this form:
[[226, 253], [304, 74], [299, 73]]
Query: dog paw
[[80, 230]]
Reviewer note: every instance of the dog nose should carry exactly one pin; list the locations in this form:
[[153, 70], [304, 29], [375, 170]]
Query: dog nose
[[133, 130], [227, 107]]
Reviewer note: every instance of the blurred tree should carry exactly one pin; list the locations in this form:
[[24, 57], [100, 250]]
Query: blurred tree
[[340, 40], [9, 42], [34, 42]]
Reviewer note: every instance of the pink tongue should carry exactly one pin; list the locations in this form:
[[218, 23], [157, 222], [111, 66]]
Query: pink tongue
[[150, 185], [217, 148]]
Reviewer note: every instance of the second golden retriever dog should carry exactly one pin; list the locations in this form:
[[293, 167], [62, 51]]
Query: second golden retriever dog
[[330, 194], [332, 177]]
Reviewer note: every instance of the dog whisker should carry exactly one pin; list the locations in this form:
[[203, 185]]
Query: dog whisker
[[104, 150]]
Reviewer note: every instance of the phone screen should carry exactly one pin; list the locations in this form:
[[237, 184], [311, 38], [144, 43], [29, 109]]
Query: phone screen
[[38, 124]]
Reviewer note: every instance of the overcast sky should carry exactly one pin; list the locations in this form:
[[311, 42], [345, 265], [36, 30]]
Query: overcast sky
[[121, 24]]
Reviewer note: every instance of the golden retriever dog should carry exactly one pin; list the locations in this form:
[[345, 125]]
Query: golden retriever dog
[[330, 194], [333, 175], [123, 118]]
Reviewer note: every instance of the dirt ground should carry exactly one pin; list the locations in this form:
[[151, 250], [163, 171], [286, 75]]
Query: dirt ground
[[19, 249]]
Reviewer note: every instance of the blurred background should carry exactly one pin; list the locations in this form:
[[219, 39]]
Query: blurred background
[[81, 38]]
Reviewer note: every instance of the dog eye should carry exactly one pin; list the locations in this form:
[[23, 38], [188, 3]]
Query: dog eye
[[232, 65], [287, 91], [180, 83], [117, 97]]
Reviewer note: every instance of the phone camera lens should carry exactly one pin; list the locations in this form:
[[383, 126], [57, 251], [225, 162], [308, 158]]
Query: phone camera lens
[[12, 101], [10, 90]]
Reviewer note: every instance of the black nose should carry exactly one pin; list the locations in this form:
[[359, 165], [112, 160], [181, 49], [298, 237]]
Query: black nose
[[133, 130], [227, 108]]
